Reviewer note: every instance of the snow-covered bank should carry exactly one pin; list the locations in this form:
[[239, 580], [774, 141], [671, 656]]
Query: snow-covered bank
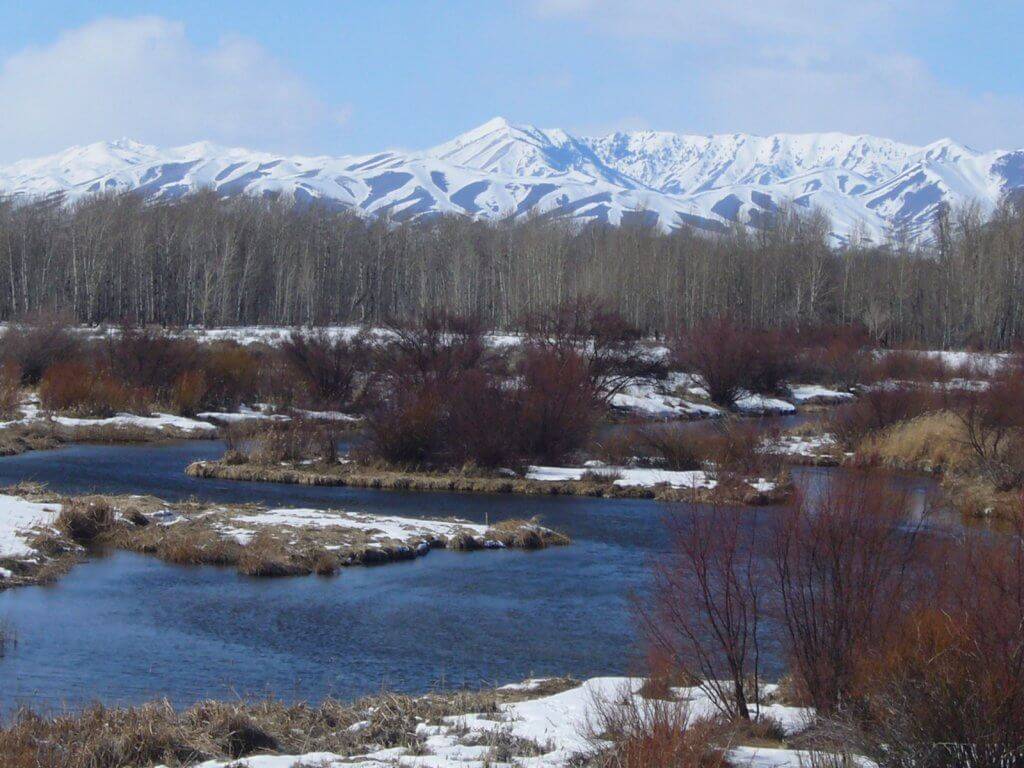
[[540, 731], [258, 541], [29, 542]]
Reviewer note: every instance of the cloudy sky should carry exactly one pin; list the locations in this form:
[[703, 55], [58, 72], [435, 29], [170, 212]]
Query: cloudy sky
[[336, 77]]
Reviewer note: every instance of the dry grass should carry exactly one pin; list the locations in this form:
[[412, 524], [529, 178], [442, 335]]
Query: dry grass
[[156, 733], [218, 535], [594, 486], [20, 438], [933, 442], [937, 443], [87, 519], [526, 534], [634, 732]]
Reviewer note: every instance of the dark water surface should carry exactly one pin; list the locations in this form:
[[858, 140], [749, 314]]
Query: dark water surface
[[127, 628]]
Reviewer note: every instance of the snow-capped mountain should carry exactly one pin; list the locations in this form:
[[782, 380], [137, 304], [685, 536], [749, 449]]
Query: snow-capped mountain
[[500, 169]]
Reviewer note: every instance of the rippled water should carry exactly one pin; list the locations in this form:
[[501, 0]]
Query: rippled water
[[127, 628]]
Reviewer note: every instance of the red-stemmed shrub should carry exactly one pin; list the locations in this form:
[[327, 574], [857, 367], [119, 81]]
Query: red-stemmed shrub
[[993, 424], [39, 341], [608, 345], [480, 422], [188, 392], [709, 605], [332, 372], [845, 558], [437, 349], [150, 358], [558, 406], [881, 407], [76, 389], [772, 362], [948, 687], [720, 353], [406, 428], [10, 390], [232, 376]]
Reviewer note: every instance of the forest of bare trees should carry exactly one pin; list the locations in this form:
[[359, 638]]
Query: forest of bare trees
[[207, 261]]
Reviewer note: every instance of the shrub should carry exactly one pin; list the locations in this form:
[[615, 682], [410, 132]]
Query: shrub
[[948, 687], [10, 390], [708, 607], [406, 428], [335, 372], [291, 441], [878, 408], [480, 422], [670, 446], [232, 375], [652, 733], [993, 423], [558, 407], [772, 361], [609, 346], [436, 350], [720, 353], [151, 359], [84, 520], [836, 355], [188, 392], [733, 447], [845, 558], [38, 342], [78, 390], [910, 365]]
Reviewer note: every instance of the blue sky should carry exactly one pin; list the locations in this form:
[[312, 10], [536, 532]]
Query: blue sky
[[352, 77]]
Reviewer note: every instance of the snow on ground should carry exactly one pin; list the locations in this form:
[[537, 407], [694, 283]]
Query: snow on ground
[[803, 394], [811, 446], [158, 421], [378, 528], [559, 724], [626, 476], [654, 401], [762, 404], [18, 519], [244, 413], [983, 362]]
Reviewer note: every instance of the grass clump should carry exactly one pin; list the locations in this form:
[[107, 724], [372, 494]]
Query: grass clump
[[86, 520]]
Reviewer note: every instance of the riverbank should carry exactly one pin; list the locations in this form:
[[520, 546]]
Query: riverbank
[[43, 534], [547, 723], [594, 481]]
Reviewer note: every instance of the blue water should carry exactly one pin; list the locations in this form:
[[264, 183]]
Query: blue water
[[127, 628]]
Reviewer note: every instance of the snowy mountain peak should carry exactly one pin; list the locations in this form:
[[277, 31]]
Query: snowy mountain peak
[[500, 168]]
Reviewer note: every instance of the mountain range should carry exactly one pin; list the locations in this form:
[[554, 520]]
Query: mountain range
[[865, 184]]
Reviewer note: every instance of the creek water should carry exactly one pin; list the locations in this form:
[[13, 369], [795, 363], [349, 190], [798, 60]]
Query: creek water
[[125, 628]]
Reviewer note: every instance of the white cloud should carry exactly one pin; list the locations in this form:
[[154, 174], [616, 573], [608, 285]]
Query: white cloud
[[790, 65], [145, 79]]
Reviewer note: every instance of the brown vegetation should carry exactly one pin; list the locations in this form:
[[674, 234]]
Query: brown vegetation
[[595, 484], [38, 341], [708, 612], [630, 731], [76, 389]]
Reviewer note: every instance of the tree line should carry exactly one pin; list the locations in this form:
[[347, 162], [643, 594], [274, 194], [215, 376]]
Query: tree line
[[202, 260]]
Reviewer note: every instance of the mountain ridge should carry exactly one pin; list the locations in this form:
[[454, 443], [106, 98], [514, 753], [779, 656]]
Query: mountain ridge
[[865, 183]]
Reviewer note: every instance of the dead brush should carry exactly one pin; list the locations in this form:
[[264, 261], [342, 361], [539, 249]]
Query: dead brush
[[264, 556], [10, 390], [157, 734], [628, 731], [187, 545], [292, 442], [526, 534], [85, 520]]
